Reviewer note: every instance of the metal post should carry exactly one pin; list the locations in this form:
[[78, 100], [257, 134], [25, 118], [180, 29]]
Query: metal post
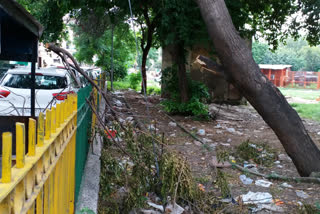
[[33, 77]]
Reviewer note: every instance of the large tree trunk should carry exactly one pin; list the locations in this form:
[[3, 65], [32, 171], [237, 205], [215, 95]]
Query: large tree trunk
[[179, 57], [244, 73]]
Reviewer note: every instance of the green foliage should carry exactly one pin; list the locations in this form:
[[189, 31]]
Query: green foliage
[[85, 211], [135, 80], [295, 53], [135, 174], [89, 47], [198, 93], [301, 93], [259, 153], [153, 90]]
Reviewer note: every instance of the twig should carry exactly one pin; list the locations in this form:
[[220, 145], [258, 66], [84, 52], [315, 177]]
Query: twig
[[279, 177]]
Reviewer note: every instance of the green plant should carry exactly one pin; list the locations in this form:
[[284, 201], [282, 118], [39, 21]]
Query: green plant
[[259, 153], [198, 95], [85, 211], [134, 80]]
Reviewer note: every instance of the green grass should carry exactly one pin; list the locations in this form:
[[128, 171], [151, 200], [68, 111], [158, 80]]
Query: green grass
[[311, 111], [152, 87], [301, 93]]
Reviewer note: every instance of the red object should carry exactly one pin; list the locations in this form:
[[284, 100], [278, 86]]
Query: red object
[[37, 74], [4, 93], [112, 132], [62, 95]]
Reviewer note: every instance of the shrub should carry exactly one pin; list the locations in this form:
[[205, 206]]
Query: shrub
[[198, 95], [135, 79]]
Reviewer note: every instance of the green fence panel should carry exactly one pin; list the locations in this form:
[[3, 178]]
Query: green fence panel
[[84, 118]]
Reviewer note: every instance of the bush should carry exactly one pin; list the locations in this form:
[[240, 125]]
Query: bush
[[135, 79], [198, 95]]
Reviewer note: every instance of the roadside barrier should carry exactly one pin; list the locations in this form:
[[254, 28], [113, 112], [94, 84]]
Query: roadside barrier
[[43, 180]]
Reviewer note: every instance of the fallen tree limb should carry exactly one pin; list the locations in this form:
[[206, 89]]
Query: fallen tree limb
[[278, 177], [76, 66], [209, 65]]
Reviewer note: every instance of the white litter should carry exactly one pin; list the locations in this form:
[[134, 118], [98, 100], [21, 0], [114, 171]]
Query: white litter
[[263, 183], [257, 198], [172, 124], [286, 185], [245, 180], [174, 209], [302, 194], [201, 132]]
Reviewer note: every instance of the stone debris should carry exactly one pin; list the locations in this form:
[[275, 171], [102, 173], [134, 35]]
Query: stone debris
[[214, 163], [197, 143], [302, 194], [225, 144], [231, 130], [229, 140], [172, 124], [245, 180], [173, 135], [219, 131], [257, 198], [263, 183], [187, 143], [201, 132]]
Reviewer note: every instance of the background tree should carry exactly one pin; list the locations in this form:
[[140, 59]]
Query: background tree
[[89, 47]]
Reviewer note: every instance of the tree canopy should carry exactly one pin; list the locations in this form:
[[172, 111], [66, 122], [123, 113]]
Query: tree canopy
[[298, 53]]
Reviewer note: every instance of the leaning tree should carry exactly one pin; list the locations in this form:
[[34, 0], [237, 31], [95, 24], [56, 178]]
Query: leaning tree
[[242, 71]]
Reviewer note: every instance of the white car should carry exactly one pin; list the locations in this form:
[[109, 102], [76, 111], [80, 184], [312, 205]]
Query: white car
[[52, 86]]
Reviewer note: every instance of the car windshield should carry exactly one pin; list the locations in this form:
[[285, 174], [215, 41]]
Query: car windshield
[[42, 81]]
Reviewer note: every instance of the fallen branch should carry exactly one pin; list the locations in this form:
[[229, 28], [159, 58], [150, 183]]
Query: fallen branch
[[76, 66], [278, 177]]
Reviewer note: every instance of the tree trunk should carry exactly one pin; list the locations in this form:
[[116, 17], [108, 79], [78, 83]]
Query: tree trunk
[[182, 72], [244, 73], [112, 68], [144, 70]]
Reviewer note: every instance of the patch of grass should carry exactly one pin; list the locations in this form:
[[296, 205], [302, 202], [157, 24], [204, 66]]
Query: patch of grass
[[311, 111], [301, 93], [126, 84], [260, 153]]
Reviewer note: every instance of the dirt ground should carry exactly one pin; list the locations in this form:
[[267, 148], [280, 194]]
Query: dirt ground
[[232, 126]]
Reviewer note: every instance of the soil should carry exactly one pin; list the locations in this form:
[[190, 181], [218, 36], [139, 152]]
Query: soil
[[232, 126]]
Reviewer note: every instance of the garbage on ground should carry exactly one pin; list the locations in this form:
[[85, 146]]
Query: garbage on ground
[[245, 180], [263, 183], [302, 194], [143, 211], [118, 103], [201, 132], [112, 134], [214, 163], [187, 143], [286, 185], [229, 140], [278, 202], [271, 207], [250, 166], [257, 198], [201, 187], [174, 209], [206, 140], [172, 124], [156, 206], [219, 131], [173, 135], [225, 144]]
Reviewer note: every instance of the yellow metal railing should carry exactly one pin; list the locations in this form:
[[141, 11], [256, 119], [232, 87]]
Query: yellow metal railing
[[41, 181]]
